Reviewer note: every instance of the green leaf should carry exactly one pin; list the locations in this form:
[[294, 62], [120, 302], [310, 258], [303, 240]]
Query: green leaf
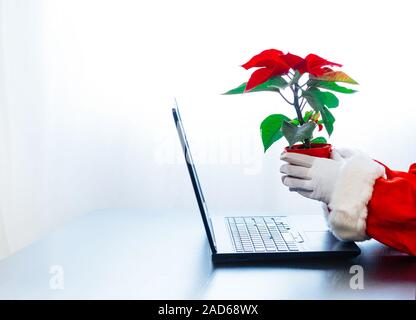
[[295, 78], [270, 129], [326, 98], [336, 76], [295, 134], [329, 120], [237, 90], [329, 99], [314, 98], [319, 140], [333, 86], [307, 116], [273, 84]]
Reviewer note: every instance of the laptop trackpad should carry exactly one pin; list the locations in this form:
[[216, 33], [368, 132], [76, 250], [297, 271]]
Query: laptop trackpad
[[320, 240]]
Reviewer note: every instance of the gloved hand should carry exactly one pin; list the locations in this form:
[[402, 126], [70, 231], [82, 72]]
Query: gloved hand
[[344, 183], [313, 177]]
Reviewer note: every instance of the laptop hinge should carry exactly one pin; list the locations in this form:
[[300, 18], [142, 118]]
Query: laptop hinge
[[212, 235]]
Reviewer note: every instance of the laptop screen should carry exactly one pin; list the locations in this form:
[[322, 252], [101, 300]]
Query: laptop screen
[[194, 178]]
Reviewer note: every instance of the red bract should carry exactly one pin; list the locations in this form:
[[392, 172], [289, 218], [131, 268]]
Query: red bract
[[292, 60], [266, 58], [315, 65], [271, 64], [274, 63]]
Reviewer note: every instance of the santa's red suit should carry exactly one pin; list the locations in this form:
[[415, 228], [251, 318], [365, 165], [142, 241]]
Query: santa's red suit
[[372, 201]]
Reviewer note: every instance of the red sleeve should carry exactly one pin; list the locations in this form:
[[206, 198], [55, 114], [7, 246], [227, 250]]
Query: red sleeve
[[392, 210]]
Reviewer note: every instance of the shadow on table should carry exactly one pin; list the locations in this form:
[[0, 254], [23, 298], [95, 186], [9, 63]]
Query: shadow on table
[[380, 264]]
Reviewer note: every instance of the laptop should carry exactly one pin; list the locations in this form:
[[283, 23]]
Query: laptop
[[234, 239]]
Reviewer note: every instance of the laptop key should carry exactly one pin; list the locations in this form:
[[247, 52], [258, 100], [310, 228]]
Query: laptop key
[[239, 247], [282, 248], [259, 220], [238, 244], [249, 221], [288, 237]]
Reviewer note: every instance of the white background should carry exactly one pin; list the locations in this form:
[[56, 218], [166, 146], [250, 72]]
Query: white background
[[86, 89]]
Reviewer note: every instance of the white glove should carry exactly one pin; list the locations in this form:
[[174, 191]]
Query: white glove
[[313, 177], [344, 183]]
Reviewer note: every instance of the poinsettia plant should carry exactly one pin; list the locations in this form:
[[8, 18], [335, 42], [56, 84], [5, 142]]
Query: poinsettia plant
[[307, 84]]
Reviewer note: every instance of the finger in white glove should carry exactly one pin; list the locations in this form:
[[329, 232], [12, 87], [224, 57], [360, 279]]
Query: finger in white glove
[[344, 153]]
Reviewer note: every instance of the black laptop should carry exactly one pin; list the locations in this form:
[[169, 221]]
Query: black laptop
[[263, 238]]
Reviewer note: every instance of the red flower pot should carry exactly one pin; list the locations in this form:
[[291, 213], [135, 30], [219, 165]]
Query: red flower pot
[[320, 150]]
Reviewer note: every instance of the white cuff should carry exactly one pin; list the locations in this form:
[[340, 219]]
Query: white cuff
[[346, 214]]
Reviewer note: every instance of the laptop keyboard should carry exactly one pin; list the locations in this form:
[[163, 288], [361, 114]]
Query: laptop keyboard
[[262, 234]]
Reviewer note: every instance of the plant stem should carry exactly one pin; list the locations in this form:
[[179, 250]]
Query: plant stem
[[285, 98], [302, 104], [295, 89], [296, 105]]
